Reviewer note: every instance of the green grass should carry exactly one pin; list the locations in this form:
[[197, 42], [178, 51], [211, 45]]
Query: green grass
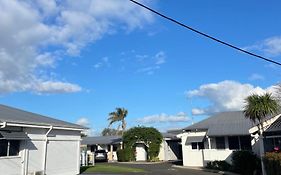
[[107, 168]]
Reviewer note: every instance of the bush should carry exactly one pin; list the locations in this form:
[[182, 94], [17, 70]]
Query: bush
[[272, 163], [245, 162], [219, 165], [150, 136], [125, 155]]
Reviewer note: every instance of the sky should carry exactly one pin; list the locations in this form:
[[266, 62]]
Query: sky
[[79, 60]]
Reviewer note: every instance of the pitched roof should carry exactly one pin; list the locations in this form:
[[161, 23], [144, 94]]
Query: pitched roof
[[275, 126], [14, 115], [103, 140], [224, 123]]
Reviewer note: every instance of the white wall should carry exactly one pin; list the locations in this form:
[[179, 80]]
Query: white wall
[[141, 154], [62, 158], [191, 157], [166, 153], [63, 151], [199, 158], [10, 165]]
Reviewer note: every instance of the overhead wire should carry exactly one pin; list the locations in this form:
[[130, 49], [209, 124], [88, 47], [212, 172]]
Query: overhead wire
[[206, 35]]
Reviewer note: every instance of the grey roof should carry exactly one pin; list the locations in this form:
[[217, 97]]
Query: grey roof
[[171, 136], [275, 126], [194, 139], [223, 124], [14, 115], [102, 140]]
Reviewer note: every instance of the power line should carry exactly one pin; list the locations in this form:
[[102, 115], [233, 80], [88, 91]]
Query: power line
[[206, 35]]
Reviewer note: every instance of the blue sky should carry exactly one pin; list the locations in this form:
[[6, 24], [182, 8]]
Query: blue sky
[[79, 61]]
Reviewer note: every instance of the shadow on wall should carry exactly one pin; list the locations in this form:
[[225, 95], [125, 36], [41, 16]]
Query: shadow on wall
[[228, 159]]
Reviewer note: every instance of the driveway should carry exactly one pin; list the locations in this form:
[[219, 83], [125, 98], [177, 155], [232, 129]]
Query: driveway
[[162, 168]]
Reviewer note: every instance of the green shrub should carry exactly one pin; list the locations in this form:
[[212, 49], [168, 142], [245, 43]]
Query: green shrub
[[219, 165], [125, 155], [272, 163], [150, 136], [245, 162]]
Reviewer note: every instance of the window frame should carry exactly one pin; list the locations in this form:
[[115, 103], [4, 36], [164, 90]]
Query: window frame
[[8, 148], [221, 146]]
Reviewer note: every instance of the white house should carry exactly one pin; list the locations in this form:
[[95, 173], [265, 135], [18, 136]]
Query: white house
[[170, 148], [108, 143], [215, 138], [34, 144]]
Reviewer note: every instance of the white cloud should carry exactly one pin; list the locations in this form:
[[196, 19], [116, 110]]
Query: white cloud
[[103, 63], [256, 76], [224, 96], [164, 118], [67, 26], [85, 122], [270, 46], [151, 63], [160, 58], [197, 111]]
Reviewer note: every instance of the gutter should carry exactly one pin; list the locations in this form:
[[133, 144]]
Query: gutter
[[4, 124], [45, 149], [43, 126]]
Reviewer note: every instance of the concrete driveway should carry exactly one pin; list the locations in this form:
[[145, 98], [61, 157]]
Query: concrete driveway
[[161, 169]]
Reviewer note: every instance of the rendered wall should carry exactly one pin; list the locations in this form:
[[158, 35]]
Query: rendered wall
[[10, 165], [63, 151]]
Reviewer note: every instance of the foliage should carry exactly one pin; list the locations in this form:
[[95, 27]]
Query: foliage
[[245, 162], [110, 132], [258, 107], [112, 169], [125, 155], [118, 116], [150, 136], [272, 162], [219, 165]]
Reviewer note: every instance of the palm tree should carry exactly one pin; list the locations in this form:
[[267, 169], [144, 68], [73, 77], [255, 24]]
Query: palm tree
[[118, 116], [257, 108]]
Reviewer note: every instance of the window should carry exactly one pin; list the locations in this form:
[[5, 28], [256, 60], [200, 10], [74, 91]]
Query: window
[[233, 142], [245, 142], [3, 148], [9, 148], [93, 148], [14, 147], [201, 145], [220, 143], [194, 145], [197, 145]]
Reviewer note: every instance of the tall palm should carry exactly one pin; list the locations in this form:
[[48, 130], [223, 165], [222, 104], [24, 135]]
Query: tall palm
[[257, 108], [118, 116]]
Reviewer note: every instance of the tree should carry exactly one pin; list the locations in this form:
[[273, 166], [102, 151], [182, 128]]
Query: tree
[[110, 132], [118, 116], [257, 108], [150, 136]]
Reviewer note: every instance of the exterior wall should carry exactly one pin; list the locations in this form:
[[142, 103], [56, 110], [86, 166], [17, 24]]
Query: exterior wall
[[10, 165], [161, 154], [141, 154], [199, 158], [168, 150], [63, 151]]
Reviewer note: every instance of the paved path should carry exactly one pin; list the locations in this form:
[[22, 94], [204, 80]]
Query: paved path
[[161, 169]]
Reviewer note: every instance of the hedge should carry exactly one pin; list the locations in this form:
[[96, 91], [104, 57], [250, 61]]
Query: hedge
[[272, 163], [245, 162]]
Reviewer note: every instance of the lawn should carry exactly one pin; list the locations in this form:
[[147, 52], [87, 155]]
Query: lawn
[[107, 168]]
